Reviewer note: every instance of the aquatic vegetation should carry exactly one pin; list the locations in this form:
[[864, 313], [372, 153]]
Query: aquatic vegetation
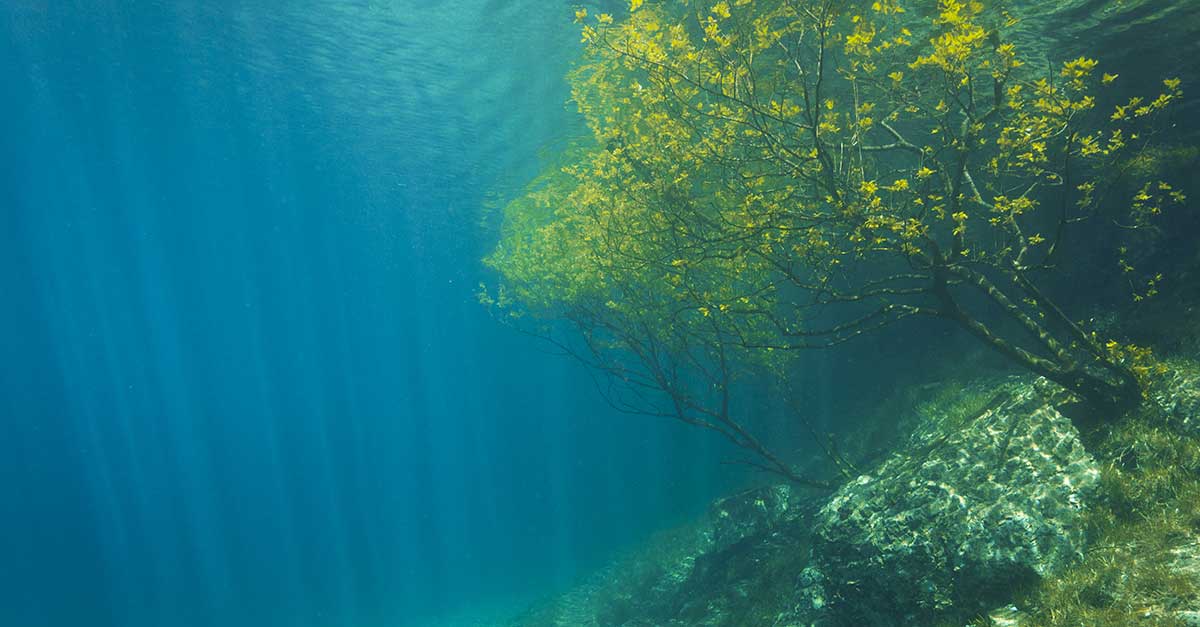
[[775, 176], [1144, 563]]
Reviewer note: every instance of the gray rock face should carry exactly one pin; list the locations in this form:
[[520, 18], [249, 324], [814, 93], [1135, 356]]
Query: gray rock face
[[956, 521]]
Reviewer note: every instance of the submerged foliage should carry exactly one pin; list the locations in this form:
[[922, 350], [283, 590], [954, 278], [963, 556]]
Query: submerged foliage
[[788, 174]]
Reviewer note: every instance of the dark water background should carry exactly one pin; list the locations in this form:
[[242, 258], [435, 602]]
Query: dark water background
[[245, 379]]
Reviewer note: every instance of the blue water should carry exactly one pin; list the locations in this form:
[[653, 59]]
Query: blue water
[[244, 379]]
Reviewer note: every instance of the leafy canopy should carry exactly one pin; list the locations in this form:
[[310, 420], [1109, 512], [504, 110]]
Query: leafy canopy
[[779, 174]]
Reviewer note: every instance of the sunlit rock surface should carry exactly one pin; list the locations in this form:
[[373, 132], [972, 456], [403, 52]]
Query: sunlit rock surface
[[957, 520]]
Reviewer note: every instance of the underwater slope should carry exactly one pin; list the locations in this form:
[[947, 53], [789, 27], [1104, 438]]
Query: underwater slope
[[999, 504], [946, 531]]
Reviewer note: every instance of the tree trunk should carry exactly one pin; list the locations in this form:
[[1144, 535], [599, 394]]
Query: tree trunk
[[1109, 398]]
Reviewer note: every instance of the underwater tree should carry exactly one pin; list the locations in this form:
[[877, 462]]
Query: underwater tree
[[777, 175]]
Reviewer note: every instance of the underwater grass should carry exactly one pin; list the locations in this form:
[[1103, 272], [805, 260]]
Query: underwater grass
[[1145, 530]]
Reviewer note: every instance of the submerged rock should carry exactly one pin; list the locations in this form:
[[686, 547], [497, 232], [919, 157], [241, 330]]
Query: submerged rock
[[1007, 616], [957, 520], [749, 513], [1178, 396], [759, 544]]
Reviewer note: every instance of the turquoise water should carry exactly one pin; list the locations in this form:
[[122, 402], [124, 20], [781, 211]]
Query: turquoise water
[[245, 378]]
